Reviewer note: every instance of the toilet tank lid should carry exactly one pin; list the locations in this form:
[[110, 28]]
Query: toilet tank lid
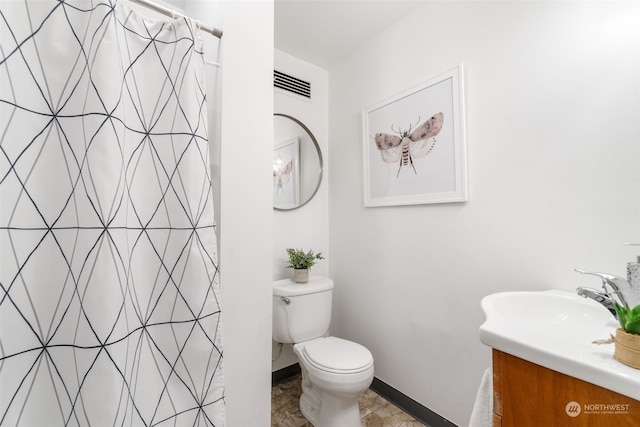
[[289, 288]]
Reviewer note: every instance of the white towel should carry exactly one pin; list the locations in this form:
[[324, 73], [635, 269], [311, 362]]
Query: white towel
[[482, 414]]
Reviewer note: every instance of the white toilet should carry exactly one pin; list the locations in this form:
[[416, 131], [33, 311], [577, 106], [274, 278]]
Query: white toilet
[[335, 372]]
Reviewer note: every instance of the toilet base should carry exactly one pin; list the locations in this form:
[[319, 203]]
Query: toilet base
[[323, 409]]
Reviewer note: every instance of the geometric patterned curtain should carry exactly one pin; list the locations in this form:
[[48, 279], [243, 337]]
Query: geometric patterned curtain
[[109, 292]]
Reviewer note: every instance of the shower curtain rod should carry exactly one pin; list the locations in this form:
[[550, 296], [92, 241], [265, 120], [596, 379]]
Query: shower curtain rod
[[168, 12]]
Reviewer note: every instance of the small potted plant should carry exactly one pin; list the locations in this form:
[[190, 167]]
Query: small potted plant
[[301, 262], [627, 341]]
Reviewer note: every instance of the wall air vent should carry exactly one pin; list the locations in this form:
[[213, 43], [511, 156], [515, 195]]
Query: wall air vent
[[291, 84]]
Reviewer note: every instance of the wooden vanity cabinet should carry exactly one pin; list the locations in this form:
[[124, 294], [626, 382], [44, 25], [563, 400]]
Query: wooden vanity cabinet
[[529, 395]]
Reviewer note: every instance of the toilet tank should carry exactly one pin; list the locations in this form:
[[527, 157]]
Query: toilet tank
[[301, 311]]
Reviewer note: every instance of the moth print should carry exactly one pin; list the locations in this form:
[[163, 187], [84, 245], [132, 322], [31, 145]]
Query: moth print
[[409, 145], [282, 174]]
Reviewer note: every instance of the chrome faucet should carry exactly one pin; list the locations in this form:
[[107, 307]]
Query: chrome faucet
[[599, 296], [606, 298]]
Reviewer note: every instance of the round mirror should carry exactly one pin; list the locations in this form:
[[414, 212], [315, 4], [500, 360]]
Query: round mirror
[[297, 163]]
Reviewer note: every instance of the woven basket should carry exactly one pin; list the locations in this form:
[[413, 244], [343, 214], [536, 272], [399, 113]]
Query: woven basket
[[627, 348]]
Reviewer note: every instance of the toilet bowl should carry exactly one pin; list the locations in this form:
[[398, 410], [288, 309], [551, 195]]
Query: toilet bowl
[[335, 371]]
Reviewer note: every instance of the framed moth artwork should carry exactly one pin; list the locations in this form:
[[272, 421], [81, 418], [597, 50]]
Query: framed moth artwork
[[286, 174], [414, 145]]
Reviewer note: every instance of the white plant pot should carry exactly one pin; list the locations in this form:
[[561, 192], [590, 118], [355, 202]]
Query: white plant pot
[[301, 275]]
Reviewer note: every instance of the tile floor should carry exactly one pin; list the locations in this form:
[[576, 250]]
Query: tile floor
[[375, 410]]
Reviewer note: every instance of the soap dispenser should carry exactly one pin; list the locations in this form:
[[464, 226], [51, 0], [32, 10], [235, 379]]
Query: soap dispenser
[[633, 270]]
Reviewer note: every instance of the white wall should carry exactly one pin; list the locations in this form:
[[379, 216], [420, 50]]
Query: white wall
[[308, 226], [240, 109], [246, 209], [552, 107]]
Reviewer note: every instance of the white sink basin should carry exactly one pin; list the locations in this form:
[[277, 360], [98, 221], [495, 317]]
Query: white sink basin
[[555, 329]]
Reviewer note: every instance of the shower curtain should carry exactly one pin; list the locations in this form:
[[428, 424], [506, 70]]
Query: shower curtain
[[109, 298]]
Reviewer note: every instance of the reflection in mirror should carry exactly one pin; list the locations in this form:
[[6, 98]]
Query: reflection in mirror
[[297, 163]]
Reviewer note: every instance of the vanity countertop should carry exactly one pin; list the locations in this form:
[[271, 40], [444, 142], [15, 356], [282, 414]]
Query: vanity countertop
[[556, 329]]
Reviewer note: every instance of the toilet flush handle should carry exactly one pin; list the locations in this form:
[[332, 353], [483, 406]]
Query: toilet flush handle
[[286, 300]]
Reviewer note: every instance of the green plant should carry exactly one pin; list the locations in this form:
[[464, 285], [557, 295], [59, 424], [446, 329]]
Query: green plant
[[301, 259], [629, 318]]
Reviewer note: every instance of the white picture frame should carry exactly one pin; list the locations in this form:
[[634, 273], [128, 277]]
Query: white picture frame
[[401, 171]]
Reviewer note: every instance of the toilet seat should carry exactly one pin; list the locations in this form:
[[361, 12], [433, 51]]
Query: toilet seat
[[338, 356]]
